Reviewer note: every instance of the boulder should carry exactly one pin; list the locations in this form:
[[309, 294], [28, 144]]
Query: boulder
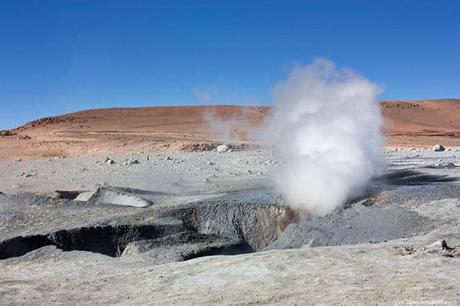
[[113, 196]]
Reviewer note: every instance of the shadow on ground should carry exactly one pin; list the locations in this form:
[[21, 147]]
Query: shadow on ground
[[412, 177]]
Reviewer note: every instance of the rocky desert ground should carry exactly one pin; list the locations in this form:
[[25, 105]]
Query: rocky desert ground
[[146, 206]]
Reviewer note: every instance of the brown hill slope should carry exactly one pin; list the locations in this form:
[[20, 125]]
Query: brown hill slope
[[121, 130], [422, 123], [104, 131]]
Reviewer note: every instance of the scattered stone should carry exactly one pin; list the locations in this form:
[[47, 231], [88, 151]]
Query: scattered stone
[[109, 161], [438, 148], [28, 174], [24, 137], [130, 162], [402, 250], [197, 147], [442, 165], [223, 148], [436, 246], [439, 247], [4, 133]]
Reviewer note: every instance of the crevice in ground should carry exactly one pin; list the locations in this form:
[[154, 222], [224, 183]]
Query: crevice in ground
[[108, 240], [214, 228]]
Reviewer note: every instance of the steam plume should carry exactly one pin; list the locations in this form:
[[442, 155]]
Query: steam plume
[[325, 128]]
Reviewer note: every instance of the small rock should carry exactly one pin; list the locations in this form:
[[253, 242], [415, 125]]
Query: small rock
[[438, 148], [24, 174], [130, 162], [436, 246], [442, 165], [109, 161], [223, 148], [6, 133]]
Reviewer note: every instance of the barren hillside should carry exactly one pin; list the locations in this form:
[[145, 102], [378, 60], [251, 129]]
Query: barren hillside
[[187, 128], [422, 123]]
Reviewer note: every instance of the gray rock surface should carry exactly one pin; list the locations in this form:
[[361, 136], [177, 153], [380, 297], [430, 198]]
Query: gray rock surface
[[114, 196], [184, 246], [60, 245]]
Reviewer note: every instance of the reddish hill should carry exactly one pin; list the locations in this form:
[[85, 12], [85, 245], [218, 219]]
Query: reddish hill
[[422, 123], [117, 130]]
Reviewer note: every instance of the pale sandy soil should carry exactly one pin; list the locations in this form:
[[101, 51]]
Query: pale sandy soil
[[195, 128]]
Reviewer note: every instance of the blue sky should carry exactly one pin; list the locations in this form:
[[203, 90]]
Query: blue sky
[[61, 56]]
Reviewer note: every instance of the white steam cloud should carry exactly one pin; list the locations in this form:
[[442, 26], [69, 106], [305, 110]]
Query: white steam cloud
[[325, 129]]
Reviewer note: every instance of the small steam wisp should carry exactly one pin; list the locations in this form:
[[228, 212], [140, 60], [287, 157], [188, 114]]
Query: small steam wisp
[[325, 129]]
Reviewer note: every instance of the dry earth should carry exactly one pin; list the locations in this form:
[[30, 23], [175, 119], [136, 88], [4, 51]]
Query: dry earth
[[165, 219], [203, 213], [196, 128], [422, 123]]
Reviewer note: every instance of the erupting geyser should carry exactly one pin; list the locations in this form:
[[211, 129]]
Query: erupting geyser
[[325, 128]]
